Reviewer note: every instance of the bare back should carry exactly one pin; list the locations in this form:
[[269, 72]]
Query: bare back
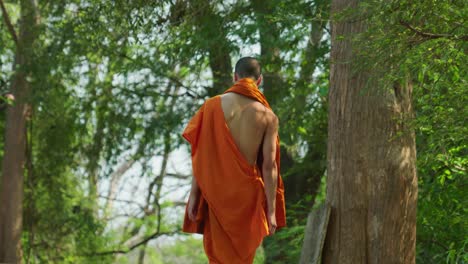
[[247, 120]]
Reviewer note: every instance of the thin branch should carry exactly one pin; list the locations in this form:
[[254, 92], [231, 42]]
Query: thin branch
[[173, 188], [113, 217], [179, 203], [115, 179], [7, 20], [178, 176], [432, 35], [143, 241], [190, 92]]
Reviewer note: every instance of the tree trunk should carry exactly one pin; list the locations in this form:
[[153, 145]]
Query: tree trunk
[[96, 147], [371, 181], [217, 47], [11, 196], [270, 51]]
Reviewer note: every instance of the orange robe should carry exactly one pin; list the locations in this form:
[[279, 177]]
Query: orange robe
[[232, 208]]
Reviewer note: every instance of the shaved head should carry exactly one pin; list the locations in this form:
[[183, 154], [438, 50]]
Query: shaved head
[[248, 67]]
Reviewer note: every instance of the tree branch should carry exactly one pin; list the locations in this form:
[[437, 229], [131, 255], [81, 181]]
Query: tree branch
[[428, 35], [143, 241], [179, 203], [122, 201], [178, 176], [115, 179], [7, 20]]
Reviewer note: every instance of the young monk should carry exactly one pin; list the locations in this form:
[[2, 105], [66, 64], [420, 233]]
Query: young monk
[[237, 195]]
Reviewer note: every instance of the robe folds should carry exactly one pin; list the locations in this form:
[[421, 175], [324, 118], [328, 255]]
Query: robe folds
[[232, 208]]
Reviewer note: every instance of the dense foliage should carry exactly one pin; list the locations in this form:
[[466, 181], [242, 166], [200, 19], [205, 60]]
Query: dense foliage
[[115, 81]]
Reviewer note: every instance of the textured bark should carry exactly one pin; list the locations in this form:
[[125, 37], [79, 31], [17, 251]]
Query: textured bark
[[11, 193], [371, 181], [11, 197]]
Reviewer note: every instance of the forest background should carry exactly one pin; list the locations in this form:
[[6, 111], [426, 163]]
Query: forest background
[[110, 84]]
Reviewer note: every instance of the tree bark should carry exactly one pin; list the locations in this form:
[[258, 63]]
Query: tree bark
[[213, 28], [371, 181], [11, 196], [96, 147], [220, 65], [269, 51]]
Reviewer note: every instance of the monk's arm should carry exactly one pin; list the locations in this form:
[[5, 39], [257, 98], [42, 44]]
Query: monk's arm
[[193, 200], [195, 190], [269, 167]]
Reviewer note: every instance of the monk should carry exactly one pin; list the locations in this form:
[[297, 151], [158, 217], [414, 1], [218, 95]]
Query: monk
[[237, 194]]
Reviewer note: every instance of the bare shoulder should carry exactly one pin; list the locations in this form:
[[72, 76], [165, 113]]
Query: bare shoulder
[[263, 114]]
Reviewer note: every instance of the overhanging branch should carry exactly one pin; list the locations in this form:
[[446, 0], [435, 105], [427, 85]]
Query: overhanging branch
[[7, 20], [178, 176], [143, 241], [428, 35]]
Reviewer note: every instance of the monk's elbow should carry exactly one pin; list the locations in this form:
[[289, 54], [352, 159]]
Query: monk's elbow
[[269, 166]]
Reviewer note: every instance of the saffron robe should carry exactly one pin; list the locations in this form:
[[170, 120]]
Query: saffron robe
[[232, 208]]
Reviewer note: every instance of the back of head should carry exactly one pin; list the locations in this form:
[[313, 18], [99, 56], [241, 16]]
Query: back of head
[[248, 67]]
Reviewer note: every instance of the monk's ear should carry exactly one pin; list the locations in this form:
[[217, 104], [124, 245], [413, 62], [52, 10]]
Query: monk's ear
[[260, 80], [235, 77]]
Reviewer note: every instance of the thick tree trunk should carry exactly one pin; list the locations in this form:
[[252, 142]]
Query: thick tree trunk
[[270, 51], [11, 196], [372, 183], [220, 64], [218, 50]]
